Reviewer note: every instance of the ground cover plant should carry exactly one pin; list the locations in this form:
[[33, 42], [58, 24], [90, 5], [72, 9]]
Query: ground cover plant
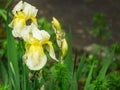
[[37, 55]]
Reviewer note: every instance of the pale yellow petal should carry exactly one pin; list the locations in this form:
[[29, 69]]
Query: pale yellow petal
[[41, 35], [17, 8], [51, 50], [31, 32], [55, 24], [35, 58], [19, 23], [29, 10], [64, 48], [26, 34], [16, 32], [34, 21], [11, 24], [60, 35], [18, 27]]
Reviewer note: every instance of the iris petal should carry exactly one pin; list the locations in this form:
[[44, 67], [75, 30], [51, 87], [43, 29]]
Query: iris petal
[[35, 58], [41, 35], [22, 13], [29, 10], [17, 8], [51, 50]]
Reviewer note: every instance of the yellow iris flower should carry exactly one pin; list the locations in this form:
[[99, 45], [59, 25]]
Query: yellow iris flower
[[36, 41], [24, 15], [60, 36]]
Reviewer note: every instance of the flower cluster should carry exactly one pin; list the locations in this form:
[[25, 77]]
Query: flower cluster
[[25, 26]]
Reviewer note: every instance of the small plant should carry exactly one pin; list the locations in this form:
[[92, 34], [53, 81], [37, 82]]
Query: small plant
[[114, 80], [116, 47], [99, 85], [100, 27]]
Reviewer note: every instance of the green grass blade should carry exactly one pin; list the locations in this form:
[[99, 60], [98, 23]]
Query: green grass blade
[[7, 4], [69, 60], [4, 73], [106, 65], [89, 78], [74, 84], [3, 14], [81, 64], [12, 57]]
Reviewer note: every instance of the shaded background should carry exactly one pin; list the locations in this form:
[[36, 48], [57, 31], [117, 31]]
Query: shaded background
[[77, 15]]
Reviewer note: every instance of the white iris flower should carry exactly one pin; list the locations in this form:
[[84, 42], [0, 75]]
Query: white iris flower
[[24, 26], [24, 15], [36, 42]]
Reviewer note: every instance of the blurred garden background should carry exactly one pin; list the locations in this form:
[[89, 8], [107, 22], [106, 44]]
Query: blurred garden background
[[78, 15], [93, 36]]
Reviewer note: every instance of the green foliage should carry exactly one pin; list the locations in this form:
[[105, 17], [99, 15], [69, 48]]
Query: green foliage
[[4, 88], [44, 24], [100, 28], [106, 65], [116, 47], [3, 10], [4, 73], [114, 80], [3, 49], [74, 83], [81, 64], [12, 60], [3, 14], [69, 59], [99, 84], [58, 77], [89, 78]]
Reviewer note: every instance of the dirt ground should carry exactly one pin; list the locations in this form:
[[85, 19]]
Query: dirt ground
[[77, 16]]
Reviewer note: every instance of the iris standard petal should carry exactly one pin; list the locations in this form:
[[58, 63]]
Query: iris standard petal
[[18, 23], [23, 13], [17, 8], [29, 10], [41, 35], [32, 32]]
